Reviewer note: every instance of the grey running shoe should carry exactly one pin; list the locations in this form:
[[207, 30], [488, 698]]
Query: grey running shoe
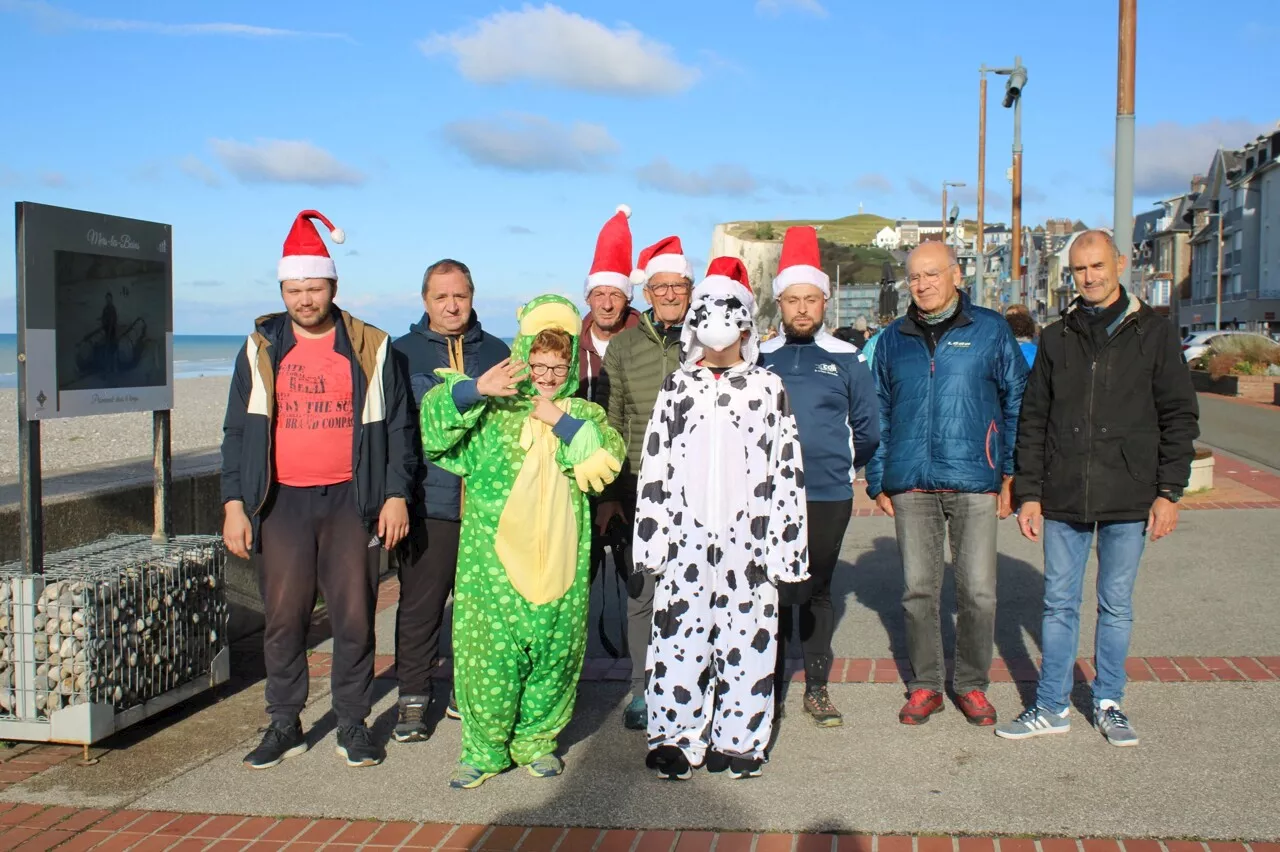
[[1034, 722], [1114, 725], [547, 766]]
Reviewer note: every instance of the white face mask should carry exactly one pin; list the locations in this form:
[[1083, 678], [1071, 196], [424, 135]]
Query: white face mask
[[718, 331]]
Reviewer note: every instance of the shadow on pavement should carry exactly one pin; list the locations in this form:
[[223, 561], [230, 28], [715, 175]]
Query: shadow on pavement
[[876, 582]]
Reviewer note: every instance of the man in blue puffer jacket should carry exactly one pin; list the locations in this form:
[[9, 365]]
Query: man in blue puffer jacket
[[950, 377]]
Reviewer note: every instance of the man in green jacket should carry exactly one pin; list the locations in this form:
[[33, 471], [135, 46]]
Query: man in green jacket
[[637, 361]]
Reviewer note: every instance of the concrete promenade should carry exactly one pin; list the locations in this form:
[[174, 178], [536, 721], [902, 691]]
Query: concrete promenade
[[1206, 662]]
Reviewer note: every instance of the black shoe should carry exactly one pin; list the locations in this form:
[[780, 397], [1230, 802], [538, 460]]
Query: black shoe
[[281, 740], [670, 763], [745, 767], [355, 743], [716, 762], [411, 727], [452, 710]]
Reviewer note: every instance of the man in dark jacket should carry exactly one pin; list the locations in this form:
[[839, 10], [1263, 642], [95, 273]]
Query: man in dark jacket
[[448, 336], [1105, 444], [838, 415], [317, 466], [950, 380], [637, 362]]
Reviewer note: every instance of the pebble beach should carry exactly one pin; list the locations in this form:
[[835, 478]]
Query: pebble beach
[[198, 408]]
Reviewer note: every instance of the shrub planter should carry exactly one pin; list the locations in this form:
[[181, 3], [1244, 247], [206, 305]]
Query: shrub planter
[[1201, 471], [1225, 386], [1256, 388]]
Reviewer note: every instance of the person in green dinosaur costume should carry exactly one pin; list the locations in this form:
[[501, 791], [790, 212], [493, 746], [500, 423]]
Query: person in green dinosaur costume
[[528, 453]]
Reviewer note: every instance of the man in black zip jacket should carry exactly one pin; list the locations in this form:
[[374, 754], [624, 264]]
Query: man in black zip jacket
[[1105, 443], [448, 336], [317, 468]]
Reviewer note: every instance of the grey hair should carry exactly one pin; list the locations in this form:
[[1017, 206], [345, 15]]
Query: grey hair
[[444, 266], [1096, 234]]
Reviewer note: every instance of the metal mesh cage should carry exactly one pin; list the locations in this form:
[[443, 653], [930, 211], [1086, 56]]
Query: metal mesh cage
[[117, 622]]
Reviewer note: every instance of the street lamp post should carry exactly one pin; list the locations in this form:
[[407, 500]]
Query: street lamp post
[[980, 261], [945, 184], [1012, 98], [1123, 213]]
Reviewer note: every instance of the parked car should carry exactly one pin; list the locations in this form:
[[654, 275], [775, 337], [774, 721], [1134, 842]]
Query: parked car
[[1197, 343]]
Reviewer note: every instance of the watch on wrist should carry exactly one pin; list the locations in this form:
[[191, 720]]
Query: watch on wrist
[[1173, 495]]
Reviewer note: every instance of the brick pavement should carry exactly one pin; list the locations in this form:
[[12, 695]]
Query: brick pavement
[[32, 828]]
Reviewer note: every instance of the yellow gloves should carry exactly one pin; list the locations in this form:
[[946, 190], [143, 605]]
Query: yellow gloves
[[596, 471]]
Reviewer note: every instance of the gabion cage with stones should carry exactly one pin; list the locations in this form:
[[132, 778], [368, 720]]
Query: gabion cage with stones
[[118, 622]]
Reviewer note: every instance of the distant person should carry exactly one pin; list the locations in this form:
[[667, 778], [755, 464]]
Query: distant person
[[859, 335], [834, 400], [1024, 331], [869, 349], [317, 470], [950, 379], [1105, 444], [638, 361], [843, 333], [449, 336]]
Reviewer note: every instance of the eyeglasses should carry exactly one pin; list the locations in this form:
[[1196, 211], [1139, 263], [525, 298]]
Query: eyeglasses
[[929, 277], [559, 370], [663, 289]]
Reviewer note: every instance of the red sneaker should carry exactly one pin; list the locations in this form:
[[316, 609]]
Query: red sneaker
[[921, 704], [977, 709]]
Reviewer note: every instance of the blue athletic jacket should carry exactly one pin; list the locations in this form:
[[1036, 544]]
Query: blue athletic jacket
[[834, 400], [948, 422]]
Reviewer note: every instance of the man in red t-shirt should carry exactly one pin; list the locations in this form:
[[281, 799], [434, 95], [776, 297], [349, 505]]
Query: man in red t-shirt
[[317, 467]]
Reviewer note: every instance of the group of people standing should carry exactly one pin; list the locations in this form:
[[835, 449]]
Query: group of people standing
[[718, 472]]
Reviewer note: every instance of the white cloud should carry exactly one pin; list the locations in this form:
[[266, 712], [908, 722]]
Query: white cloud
[[1168, 154], [874, 182], [284, 161], [557, 48], [51, 17], [532, 143], [777, 7], [519, 230], [53, 180], [194, 167], [725, 179]]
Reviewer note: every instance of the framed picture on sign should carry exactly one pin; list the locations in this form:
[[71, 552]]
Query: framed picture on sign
[[95, 313]]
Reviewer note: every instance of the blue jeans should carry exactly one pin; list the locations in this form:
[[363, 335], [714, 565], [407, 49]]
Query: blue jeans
[[1066, 553]]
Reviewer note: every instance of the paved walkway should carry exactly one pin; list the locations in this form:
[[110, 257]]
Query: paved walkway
[[1205, 679]]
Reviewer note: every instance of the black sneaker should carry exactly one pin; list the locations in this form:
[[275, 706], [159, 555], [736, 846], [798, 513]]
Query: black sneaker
[[452, 709], [355, 743], [745, 767], [670, 763], [716, 762], [818, 704], [411, 726], [281, 740]]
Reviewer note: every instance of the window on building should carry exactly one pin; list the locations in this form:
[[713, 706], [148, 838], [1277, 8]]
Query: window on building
[[1237, 241]]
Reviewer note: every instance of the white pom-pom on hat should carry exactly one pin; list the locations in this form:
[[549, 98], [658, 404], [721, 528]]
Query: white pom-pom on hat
[[338, 235], [638, 276], [624, 210]]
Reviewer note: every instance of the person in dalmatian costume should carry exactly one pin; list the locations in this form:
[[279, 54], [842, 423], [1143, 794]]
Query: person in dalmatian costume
[[721, 522]]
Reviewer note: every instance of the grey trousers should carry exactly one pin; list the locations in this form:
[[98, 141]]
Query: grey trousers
[[923, 521]]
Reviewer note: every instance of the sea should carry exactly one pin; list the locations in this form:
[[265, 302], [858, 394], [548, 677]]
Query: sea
[[194, 355]]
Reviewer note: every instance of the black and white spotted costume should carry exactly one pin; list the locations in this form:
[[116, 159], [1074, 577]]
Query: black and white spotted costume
[[721, 521]]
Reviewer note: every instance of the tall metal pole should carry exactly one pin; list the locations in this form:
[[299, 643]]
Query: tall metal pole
[[1217, 310], [980, 274], [944, 212], [1123, 216], [1016, 272]]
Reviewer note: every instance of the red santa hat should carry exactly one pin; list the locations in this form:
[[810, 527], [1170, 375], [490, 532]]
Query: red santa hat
[[305, 255], [800, 262], [727, 276], [611, 266], [666, 255]]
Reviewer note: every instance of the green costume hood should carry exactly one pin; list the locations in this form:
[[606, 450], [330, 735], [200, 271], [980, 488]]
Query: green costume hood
[[549, 311]]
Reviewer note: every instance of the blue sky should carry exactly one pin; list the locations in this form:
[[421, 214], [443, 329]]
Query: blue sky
[[504, 135]]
